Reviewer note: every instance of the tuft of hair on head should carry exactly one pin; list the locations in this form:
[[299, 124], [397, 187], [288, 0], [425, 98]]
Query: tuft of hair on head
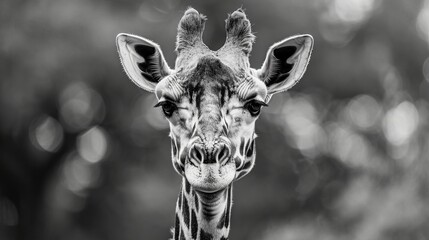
[[190, 29], [239, 31]]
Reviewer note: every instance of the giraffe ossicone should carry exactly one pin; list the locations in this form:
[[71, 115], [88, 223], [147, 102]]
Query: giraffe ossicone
[[211, 100]]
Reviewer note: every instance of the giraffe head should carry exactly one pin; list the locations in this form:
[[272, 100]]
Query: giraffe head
[[212, 99]]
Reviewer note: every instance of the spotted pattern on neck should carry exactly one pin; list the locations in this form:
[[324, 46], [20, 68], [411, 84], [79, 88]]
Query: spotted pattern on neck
[[202, 216]]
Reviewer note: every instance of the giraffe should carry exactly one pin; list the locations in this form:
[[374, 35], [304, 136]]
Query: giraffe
[[211, 100]]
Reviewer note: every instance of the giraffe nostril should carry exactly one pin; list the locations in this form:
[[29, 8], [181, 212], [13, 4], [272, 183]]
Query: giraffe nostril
[[196, 155], [223, 154]]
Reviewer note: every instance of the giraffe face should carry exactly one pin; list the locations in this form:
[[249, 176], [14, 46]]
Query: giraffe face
[[213, 98], [212, 111]]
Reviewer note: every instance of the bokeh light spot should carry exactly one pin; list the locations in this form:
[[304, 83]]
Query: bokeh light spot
[[353, 10], [8, 212], [80, 106], [47, 134], [343, 18], [80, 174], [400, 123], [300, 119], [425, 69], [363, 111], [348, 146], [422, 22], [92, 145]]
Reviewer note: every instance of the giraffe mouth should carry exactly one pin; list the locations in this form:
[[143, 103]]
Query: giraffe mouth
[[210, 177]]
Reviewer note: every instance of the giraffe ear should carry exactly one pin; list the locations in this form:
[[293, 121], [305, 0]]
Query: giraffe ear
[[142, 60], [285, 63]]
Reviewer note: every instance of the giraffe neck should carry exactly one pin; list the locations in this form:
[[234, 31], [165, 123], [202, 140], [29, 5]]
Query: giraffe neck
[[202, 216]]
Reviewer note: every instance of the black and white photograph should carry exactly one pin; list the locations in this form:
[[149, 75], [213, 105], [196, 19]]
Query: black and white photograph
[[214, 120]]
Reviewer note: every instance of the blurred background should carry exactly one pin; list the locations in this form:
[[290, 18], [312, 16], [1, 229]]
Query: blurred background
[[343, 155]]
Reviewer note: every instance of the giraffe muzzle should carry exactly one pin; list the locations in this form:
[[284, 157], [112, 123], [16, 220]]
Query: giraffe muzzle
[[210, 167], [202, 154]]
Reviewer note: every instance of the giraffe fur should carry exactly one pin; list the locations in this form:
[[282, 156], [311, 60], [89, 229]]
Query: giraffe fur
[[202, 216], [211, 100]]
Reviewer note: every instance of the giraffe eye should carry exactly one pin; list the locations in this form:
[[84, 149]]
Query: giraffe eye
[[167, 107], [254, 107]]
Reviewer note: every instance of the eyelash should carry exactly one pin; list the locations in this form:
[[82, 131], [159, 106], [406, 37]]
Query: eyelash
[[254, 107], [167, 107]]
